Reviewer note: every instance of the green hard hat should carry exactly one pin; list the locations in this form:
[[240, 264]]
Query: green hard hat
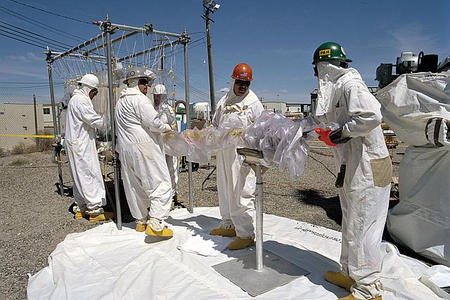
[[329, 51]]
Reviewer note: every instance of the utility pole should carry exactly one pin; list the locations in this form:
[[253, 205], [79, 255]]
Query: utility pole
[[210, 6], [35, 122]]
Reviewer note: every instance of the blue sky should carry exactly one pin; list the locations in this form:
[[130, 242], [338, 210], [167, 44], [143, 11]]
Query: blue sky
[[277, 38]]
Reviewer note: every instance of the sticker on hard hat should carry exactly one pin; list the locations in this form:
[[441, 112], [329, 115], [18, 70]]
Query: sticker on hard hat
[[243, 74], [324, 52]]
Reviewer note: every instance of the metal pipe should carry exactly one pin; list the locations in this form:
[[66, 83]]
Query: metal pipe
[[35, 122], [76, 48], [148, 28], [147, 51], [112, 42], [55, 124], [107, 30], [259, 219], [188, 120], [78, 55]]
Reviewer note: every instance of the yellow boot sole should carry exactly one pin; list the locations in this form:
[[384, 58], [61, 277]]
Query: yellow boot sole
[[140, 227], [166, 232], [101, 217], [240, 243], [223, 232], [339, 279]]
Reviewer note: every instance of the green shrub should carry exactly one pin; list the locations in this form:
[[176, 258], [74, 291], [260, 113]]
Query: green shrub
[[19, 162], [18, 149]]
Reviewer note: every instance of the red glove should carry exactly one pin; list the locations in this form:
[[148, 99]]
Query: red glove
[[324, 136]]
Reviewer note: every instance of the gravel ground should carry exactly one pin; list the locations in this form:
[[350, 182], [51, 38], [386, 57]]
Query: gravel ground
[[34, 218]]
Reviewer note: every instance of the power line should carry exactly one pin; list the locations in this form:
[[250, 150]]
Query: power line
[[29, 36], [26, 42], [51, 13], [50, 39], [37, 23]]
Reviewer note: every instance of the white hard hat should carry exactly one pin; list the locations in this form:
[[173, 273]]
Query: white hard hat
[[90, 80], [135, 73], [159, 89]]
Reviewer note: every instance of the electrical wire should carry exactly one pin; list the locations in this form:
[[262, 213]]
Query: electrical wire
[[51, 13], [26, 42], [29, 36], [34, 33], [39, 24]]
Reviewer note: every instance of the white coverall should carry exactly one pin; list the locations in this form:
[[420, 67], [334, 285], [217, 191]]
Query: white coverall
[[343, 98], [167, 116], [236, 183], [145, 175], [81, 119]]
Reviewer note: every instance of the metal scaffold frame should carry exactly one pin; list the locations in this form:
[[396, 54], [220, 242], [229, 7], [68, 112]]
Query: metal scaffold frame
[[81, 51]]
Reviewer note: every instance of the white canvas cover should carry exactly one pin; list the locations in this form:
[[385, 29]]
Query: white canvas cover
[[105, 263], [421, 220]]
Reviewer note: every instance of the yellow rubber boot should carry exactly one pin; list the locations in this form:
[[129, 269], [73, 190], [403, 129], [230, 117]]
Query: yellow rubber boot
[[141, 224], [339, 279], [156, 227], [240, 243], [165, 232], [78, 215], [351, 297], [229, 232], [101, 217]]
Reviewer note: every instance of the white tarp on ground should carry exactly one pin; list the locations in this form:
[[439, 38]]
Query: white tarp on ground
[[421, 220], [105, 263]]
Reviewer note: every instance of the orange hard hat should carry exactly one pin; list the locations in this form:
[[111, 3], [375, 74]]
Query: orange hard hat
[[242, 72]]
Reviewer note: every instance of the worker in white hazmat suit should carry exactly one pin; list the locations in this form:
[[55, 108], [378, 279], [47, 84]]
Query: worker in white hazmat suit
[[81, 122], [146, 178], [167, 115], [353, 117], [236, 182]]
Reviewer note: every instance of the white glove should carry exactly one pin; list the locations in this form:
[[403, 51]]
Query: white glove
[[437, 132], [167, 128]]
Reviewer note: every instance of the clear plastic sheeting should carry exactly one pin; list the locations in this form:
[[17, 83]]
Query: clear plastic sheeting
[[421, 219], [281, 141], [279, 138], [106, 263]]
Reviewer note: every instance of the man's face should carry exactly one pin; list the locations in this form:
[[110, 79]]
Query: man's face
[[157, 99], [143, 86], [93, 93], [240, 87]]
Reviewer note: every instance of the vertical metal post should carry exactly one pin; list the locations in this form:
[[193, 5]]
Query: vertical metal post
[[35, 122], [55, 123], [108, 29], [210, 65], [259, 219], [188, 118]]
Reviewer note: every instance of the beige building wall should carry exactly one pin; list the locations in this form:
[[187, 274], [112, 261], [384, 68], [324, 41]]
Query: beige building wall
[[18, 119]]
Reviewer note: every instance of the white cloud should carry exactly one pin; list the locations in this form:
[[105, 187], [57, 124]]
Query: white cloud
[[28, 57], [411, 37]]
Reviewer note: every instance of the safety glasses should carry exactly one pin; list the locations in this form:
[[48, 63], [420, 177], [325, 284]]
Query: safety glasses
[[242, 82]]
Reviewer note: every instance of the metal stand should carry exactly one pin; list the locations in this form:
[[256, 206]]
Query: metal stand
[[109, 29], [249, 272]]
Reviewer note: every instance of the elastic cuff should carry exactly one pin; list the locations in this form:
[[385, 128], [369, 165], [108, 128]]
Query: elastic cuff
[[338, 136]]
